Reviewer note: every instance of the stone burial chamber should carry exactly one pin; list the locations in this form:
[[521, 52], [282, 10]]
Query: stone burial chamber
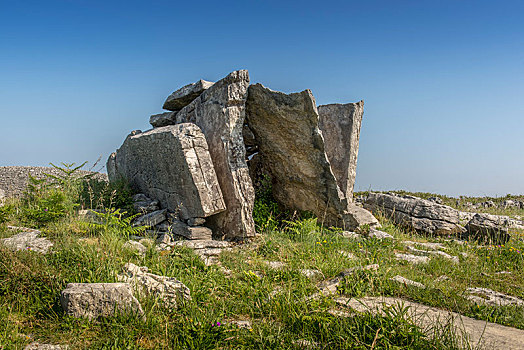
[[197, 160]]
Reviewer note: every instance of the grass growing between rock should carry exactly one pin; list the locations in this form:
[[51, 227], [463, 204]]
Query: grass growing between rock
[[273, 299], [261, 281]]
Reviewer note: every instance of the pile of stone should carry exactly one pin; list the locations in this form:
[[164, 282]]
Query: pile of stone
[[197, 166], [430, 217]]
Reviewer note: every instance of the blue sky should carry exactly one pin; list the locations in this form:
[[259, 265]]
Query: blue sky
[[443, 81]]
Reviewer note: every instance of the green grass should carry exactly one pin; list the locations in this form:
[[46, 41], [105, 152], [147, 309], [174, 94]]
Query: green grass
[[31, 283], [274, 300]]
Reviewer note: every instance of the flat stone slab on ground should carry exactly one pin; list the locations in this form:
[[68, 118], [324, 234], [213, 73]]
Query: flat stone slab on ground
[[93, 300], [407, 282], [168, 289], [377, 234], [42, 346], [480, 333], [414, 259], [28, 240], [491, 297], [312, 274]]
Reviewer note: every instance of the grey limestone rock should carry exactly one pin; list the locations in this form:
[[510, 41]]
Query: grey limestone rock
[[151, 219], [162, 119], [185, 95], [312, 274], [220, 112], [191, 232], [28, 240], [168, 289], [419, 214], [136, 246], [42, 346], [146, 206], [377, 234], [491, 228], [414, 259], [469, 332], [292, 150], [93, 300], [491, 297], [340, 125], [172, 165], [140, 197], [407, 282], [196, 221]]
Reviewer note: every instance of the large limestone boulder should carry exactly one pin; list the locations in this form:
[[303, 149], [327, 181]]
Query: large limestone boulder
[[419, 214], [292, 150], [489, 228], [185, 95], [93, 300], [340, 125], [172, 165], [220, 112]]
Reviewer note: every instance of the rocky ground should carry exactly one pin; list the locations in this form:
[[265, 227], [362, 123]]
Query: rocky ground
[[299, 286]]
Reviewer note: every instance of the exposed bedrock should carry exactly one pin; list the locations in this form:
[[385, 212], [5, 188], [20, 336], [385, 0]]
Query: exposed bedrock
[[220, 112], [340, 125], [419, 214], [171, 164], [292, 150]]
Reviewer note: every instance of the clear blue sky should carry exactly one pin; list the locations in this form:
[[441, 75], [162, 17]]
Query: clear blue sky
[[443, 81]]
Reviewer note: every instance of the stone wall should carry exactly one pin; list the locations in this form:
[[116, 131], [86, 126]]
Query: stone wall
[[13, 179]]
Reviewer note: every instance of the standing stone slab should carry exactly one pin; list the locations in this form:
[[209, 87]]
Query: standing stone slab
[[172, 165], [93, 300], [419, 214], [220, 113], [340, 125], [185, 95], [286, 128]]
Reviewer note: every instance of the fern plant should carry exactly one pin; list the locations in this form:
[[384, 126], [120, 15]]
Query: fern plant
[[115, 220]]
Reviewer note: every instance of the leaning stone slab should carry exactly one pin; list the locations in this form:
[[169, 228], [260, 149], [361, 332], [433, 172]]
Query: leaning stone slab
[[340, 125], [220, 112], [419, 214], [185, 95], [490, 228], [171, 164], [292, 150], [94, 300], [168, 289], [480, 334], [29, 240]]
